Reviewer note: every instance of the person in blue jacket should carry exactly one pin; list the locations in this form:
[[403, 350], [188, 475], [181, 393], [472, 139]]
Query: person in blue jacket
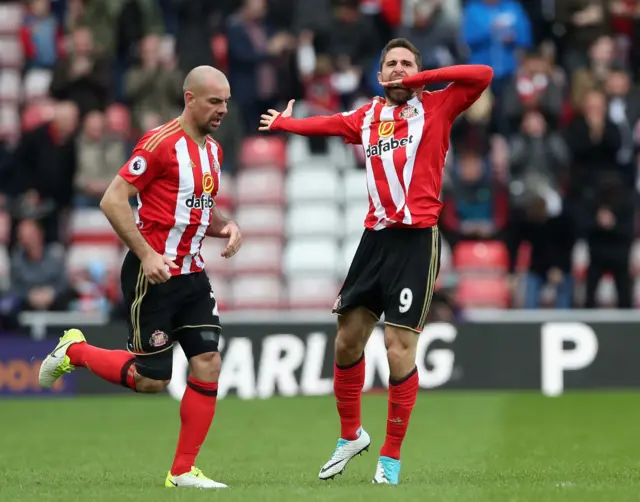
[[494, 30]]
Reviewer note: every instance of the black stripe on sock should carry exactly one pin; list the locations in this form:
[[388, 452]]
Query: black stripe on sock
[[125, 371], [202, 390], [352, 365], [403, 380]]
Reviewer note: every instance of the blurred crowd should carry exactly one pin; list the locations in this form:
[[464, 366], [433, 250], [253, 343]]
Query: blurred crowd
[[547, 156]]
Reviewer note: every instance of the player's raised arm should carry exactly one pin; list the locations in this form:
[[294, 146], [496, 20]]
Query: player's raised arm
[[340, 124], [468, 84]]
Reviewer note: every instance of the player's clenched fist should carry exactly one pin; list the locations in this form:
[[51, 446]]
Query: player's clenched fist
[[155, 267], [267, 119]]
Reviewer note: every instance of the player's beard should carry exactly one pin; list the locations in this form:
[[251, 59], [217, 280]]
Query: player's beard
[[398, 95]]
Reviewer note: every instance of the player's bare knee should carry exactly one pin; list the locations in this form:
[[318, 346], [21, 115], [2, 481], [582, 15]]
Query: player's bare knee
[[401, 347], [149, 386], [206, 367]]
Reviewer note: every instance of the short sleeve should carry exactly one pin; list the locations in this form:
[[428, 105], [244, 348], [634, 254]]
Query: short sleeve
[[141, 168]]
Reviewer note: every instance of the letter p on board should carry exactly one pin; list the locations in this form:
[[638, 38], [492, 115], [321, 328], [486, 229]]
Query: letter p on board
[[556, 359]]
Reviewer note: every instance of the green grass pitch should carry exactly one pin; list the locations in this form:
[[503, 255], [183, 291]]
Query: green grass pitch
[[461, 447]]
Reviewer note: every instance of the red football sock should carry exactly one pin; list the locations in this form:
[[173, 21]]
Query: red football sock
[[347, 385], [196, 413], [115, 366], [402, 397]]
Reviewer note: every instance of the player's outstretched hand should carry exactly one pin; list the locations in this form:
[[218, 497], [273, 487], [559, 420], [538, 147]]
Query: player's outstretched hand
[[232, 231], [155, 268], [266, 119]]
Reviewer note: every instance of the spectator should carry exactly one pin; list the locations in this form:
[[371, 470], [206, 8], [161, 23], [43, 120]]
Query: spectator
[[533, 87], [84, 76], [434, 34], [38, 280], [153, 87], [41, 35], [610, 228], [43, 168], [474, 203], [552, 235], [253, 50], [595, 73], [100, 156], [584, 21], [495, 30], [594, 142], [100, 17], [624, 112]]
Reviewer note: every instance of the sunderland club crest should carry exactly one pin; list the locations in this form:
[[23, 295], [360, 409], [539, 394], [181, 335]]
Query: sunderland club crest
[[408, 112]]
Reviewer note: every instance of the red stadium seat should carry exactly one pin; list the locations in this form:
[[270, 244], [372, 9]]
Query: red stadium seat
[[261, 221], [309, 292], [523, 258], [90, 226], [483, 292], [215, 265], [490, 256], [262, 151], [36, 114], [260, 186], [257, 292], [258, 256]]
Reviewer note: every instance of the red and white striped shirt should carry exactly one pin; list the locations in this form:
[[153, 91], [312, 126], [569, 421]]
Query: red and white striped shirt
[[405, 146], [177, 181]]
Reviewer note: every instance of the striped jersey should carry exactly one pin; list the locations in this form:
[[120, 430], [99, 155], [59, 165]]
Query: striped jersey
[[405, 146], [177, 180]]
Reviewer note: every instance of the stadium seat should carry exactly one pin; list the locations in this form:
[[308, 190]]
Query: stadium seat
[[483, 256], [9, 122], [11, 54], [312, 292], [10, 18], [5, 228], [36, 84], [81, 256], [91, 226], [4, 268], [36, 114], [354, 216], [261, 221], [257, 292], [347, 252], [314, 219], [215, 265], [221, 289], [297, 151], [258, 256], [446, 257], [9, 86], [312, 255], [227, 192], [313, 185], [580, 260], [263, 151], [606, 293], [260, 186], [355, 186], [483, 292]]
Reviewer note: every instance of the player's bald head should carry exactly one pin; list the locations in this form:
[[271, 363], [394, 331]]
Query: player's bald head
[[203, 78], [206, 94]]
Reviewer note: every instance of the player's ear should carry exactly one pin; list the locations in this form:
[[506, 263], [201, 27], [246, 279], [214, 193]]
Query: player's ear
[[379, 76]]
